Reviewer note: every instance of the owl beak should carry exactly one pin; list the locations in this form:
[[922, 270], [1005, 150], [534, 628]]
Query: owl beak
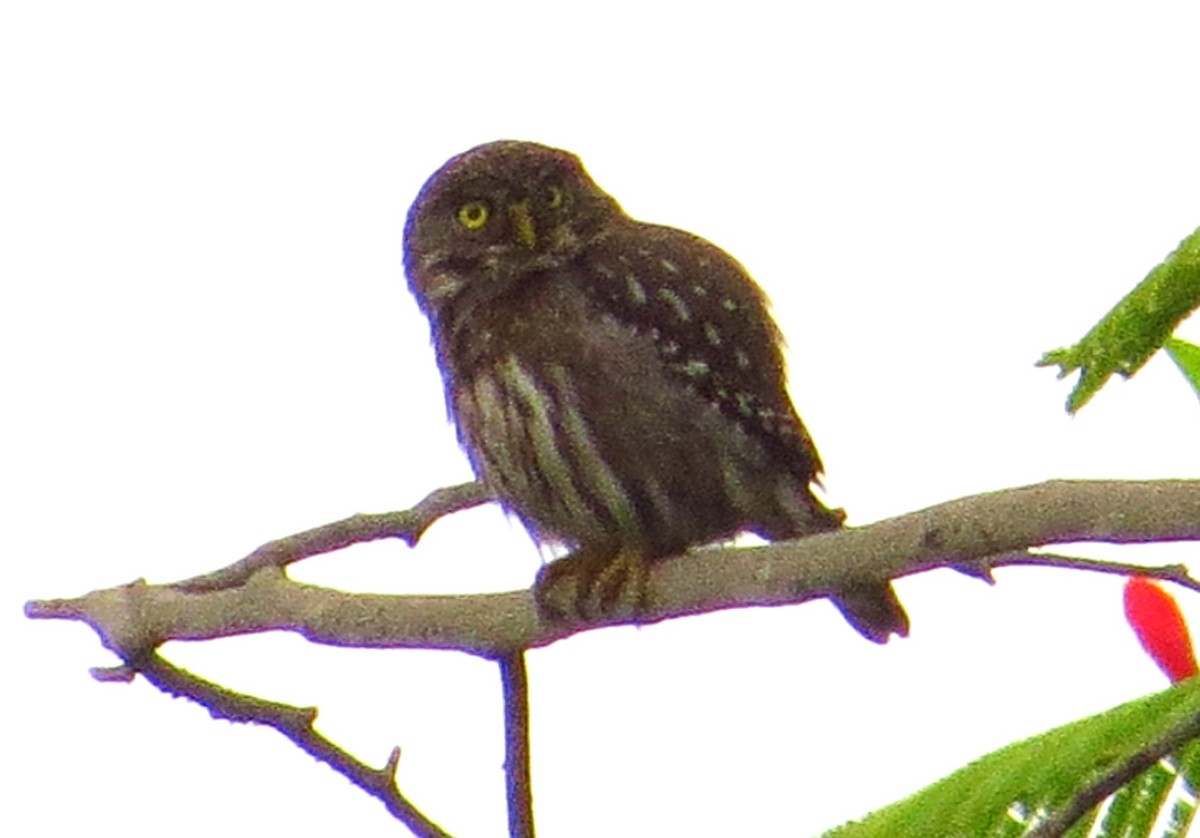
[[522, 223]]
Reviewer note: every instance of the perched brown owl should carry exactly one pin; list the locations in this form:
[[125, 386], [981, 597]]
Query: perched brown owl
[[618, 385]]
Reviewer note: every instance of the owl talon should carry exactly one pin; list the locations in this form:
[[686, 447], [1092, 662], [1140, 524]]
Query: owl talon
[[588, 587], [554, 592], [620, 580]]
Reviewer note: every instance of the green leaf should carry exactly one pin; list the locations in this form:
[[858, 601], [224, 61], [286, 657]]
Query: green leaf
[[1184, 810], [1187, 357], [1136, 327], [1135, 807], [1000, 792]]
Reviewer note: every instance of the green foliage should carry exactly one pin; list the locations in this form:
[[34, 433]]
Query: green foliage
[[1187, 357], [1135, 327], [1000, 794], [1008, 793], [1183, 812], [1135, 807]]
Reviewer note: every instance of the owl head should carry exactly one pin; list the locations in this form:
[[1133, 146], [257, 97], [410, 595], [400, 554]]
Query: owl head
[[497, 213]]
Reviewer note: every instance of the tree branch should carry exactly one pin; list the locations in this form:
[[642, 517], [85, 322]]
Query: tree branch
[[515, 681], [973, 535], [408, 525], [296, 723]]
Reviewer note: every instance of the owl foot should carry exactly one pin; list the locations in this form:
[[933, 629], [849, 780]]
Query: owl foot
[[587, 586]]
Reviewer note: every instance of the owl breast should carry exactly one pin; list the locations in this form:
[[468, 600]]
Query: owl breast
[[571, 416]]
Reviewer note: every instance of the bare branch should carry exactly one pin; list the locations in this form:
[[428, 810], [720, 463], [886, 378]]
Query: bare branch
[[296, 723], [1174, 573], [515, 681], [408, 525], [972, 534]]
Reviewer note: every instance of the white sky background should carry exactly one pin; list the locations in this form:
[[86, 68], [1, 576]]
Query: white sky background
[[208, 343]]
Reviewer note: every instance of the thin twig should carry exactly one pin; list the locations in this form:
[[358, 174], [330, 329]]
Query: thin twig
[[296, 723], [515, 682], [1174, 573], [407, 525], [1058, 823]]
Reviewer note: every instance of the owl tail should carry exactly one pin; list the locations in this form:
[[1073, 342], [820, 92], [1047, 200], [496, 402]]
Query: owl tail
[[874, 610]]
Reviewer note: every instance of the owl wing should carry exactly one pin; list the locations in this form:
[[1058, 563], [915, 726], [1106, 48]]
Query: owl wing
[[710, 324]]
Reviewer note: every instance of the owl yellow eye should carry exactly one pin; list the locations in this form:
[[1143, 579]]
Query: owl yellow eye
[[473, 215], [554, 197]]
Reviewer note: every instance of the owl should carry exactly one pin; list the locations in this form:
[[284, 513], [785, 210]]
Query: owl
[[618, 385]]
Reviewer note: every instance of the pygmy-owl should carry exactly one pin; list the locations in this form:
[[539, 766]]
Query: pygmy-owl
[[618, 385]]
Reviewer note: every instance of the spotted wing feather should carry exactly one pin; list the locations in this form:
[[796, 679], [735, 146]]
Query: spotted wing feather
[[710, 324]]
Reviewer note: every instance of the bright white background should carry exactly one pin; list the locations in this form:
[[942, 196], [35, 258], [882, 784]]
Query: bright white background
[[207, 343]]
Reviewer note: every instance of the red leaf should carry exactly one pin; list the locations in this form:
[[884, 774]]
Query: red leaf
[[1159, 626]]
